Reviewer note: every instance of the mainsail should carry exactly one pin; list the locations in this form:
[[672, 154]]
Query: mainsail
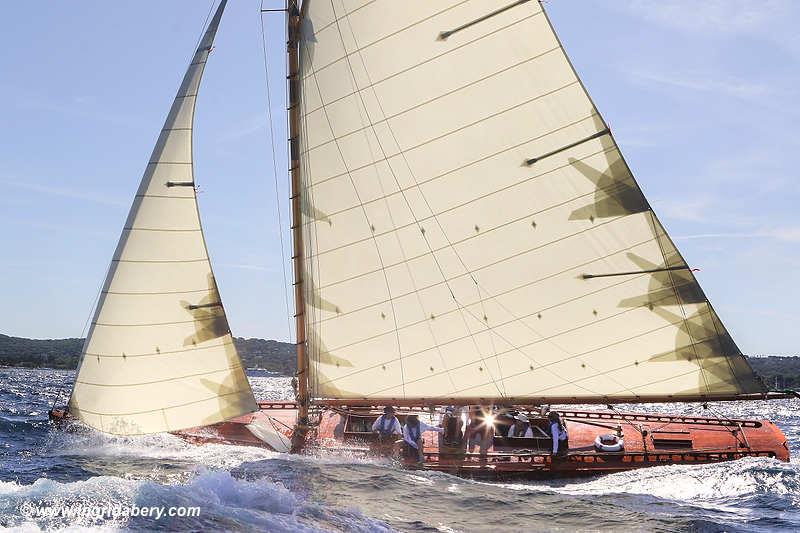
[[159, 355], [472, 231]]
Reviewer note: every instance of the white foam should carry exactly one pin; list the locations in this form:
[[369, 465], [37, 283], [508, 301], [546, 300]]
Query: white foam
[[162, 446], [260, 504], [699, 485]]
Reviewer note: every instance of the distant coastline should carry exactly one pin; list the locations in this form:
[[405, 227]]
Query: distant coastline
[[279, 357], [273, 356]]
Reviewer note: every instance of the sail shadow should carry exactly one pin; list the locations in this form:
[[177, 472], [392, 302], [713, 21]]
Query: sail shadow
[[309, 40], [325, 357], [316, 300], [210, 321], [616, 194], [699, 341], [328, 388], [673, 287], [311, 211], [233, 396]]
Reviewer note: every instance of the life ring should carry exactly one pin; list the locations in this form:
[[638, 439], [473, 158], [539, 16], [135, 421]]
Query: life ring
[[609, 443]]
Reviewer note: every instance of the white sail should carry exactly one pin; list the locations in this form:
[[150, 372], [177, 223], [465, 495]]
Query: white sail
[[159, 355], [472, 231]]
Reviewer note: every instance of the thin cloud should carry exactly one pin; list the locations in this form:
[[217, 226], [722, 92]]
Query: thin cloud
[[711, 16], [245, 129], [772, 21], [704, 83], [696, 210], [717, 236], [789, 234], [83, 107], [64, 192]]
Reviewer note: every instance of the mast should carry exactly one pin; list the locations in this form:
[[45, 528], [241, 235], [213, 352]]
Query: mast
[[293, 63]]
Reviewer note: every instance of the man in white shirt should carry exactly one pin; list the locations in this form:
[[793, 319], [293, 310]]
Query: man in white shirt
[[387, 426], [520, 428], [558, 429], [412, 435]]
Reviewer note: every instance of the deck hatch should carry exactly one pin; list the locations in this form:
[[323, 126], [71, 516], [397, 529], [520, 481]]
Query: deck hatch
[[672, 439]]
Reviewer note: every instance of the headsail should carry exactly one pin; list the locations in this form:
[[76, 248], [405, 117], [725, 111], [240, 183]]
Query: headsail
[[472, 230], [159, 355]]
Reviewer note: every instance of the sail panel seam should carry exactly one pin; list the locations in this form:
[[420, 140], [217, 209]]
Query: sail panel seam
[[214, 397], [462, 167], [462, 309], [542, 338], [194, 230], [366, 218], [483, 267], [381, 39], [359, 50], [165, 196], [502, 293], [200, 260], [595, 376], [440, 96], [546, 365], [446, 134], [124, 293], [166, 380], [619, 187], [199, 319], [163, 352]]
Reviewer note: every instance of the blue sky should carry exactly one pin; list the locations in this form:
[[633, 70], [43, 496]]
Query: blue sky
[[702, 97]]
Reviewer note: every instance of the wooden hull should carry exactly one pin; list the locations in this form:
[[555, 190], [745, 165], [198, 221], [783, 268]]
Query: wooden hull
[[649, 440]]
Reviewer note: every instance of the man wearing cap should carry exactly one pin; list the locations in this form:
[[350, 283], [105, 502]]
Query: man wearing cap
[[412, 435], [387, 426], [521, 428]]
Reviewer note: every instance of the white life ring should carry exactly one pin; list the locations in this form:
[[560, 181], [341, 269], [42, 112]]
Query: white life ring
[[618, 445]]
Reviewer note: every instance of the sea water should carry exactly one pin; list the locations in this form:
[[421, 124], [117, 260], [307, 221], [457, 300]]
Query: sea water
[[240, 488]]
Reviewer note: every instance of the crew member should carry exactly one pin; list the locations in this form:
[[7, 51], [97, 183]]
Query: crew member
[[558, 429], [480, 429], [387, 426], [412, 435], [520, 428], [453, 436]]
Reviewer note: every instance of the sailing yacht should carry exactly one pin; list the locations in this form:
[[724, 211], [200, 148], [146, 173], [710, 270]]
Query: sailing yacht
[[467, 237]]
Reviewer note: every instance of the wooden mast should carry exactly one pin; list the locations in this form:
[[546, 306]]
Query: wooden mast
[[293, 61]]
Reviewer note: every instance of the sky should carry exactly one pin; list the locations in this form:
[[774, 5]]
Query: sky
[[701, 96]]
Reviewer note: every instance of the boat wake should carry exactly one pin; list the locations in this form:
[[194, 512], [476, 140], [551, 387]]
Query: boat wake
[[763, 490], [224, 503], [245, 488]]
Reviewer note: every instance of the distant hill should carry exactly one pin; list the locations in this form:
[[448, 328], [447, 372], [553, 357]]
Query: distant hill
[[779, 372], [276, 356]]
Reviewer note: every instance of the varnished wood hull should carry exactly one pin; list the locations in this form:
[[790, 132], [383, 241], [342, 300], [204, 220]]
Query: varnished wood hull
[[650, 440]]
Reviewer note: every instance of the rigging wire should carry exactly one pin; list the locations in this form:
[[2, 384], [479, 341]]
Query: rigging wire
[[83, 334], [450, 244], [461, 306], [371, 127], [275, 171], [377, 248], [92, 309], [203, 31]]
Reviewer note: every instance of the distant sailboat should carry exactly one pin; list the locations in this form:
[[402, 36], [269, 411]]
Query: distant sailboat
[[466, 232]]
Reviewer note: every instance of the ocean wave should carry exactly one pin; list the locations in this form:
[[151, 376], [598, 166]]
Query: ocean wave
[[717, 485], [164, 446], [225, 502]]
